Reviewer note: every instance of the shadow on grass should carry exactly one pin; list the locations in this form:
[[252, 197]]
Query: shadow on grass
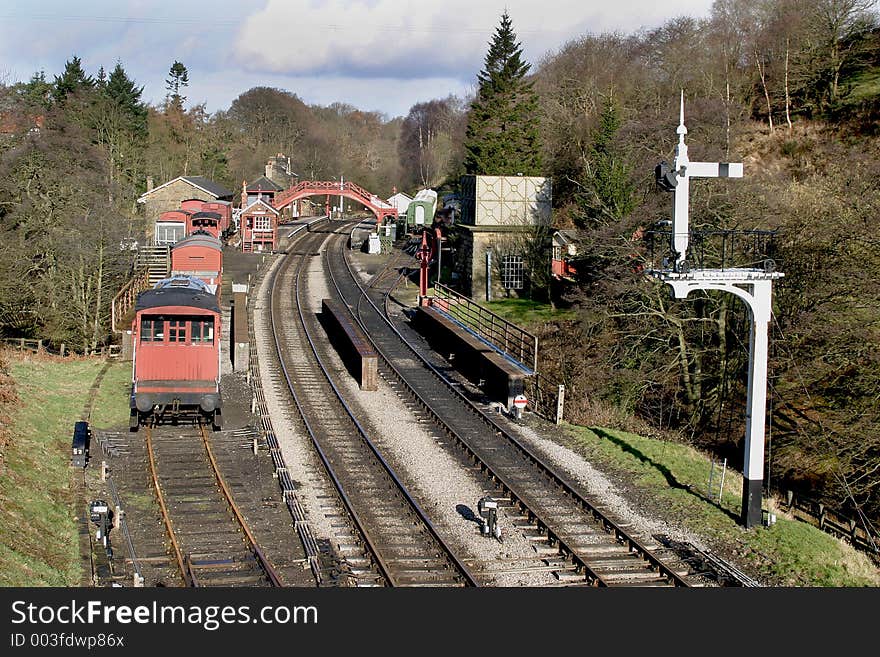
[[670, 478]]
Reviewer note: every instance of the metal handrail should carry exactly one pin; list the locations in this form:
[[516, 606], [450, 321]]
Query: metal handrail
[[509, 338]]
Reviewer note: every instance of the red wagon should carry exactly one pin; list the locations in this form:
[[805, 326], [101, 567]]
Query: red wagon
[[176, 369], [199, 255]]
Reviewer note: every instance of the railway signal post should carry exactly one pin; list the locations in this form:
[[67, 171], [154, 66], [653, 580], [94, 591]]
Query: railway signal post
[[753, 285], [424, 257]]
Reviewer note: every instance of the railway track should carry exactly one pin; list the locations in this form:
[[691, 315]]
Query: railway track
[[392, 541], [210, 539], [566, 527]]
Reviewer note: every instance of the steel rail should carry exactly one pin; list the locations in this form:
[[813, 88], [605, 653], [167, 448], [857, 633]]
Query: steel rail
[[596, 577], [182, 563], [254, 546], [469, 579], [359, 524], [386, 571], [609, 525]]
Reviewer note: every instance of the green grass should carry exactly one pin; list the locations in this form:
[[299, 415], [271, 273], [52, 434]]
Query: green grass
[[525, 312], [675, 477], [39, 544], [111, 406], [865, 85]]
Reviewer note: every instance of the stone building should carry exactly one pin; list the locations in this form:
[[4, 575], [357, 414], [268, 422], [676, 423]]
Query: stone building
[[501, 219], [170, 195]]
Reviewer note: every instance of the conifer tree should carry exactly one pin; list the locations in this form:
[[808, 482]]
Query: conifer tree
[[502, 135], [178, 78], [73, 79], [36, 91], [609, 193], [127, 95]]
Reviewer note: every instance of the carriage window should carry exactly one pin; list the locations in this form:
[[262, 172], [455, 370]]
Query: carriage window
[[152, 329], [177, 330], [203, 331]]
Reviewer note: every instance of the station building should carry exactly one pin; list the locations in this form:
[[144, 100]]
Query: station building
[[501, 217], [172, 196]]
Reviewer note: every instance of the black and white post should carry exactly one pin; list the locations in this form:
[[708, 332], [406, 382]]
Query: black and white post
[[753, 286]]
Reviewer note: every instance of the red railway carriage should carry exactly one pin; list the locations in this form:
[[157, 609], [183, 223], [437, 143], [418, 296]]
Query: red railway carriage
[[208, 222], [176, 369], [199, 255], [224, 209], [172, 226], [192, 205]]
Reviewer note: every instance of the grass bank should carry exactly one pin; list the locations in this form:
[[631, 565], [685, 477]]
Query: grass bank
[[527, 313], [111, 405], [673, 477], [40, 542]]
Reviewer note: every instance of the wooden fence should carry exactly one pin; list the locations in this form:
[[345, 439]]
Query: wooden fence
[[37, 346], [832, 522], [126, 297]]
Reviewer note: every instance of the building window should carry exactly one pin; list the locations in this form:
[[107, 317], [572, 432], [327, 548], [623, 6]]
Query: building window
[[177, 330], [168, 232], [512, 272], [203, 331], [262, 223], [152, 329]]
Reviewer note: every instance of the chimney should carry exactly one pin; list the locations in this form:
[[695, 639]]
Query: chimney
[[243, 194], [149, 183]]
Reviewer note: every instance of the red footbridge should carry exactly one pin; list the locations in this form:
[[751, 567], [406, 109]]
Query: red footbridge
[[349, 190]]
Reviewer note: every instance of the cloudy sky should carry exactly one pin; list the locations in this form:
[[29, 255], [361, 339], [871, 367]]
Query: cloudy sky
[[380, 55]]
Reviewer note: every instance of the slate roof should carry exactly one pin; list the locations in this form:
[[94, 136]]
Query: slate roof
[[263, 184], [205, 184]]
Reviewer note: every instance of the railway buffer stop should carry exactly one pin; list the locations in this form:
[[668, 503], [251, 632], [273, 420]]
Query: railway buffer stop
[[753, 284]]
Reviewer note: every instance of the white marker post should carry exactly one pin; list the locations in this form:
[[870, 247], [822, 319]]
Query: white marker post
[[753, 286]]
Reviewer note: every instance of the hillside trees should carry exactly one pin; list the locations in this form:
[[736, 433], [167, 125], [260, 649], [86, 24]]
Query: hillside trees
[[430, 142], [682, 365], [119, 120], [61, 261]]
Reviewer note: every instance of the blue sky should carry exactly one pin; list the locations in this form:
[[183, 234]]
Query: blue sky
[[380, 55]]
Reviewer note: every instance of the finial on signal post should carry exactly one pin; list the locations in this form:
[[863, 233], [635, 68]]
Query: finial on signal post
[[682, 130]]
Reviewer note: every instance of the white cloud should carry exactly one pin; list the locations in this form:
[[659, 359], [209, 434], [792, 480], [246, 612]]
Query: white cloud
[[407, 39]]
